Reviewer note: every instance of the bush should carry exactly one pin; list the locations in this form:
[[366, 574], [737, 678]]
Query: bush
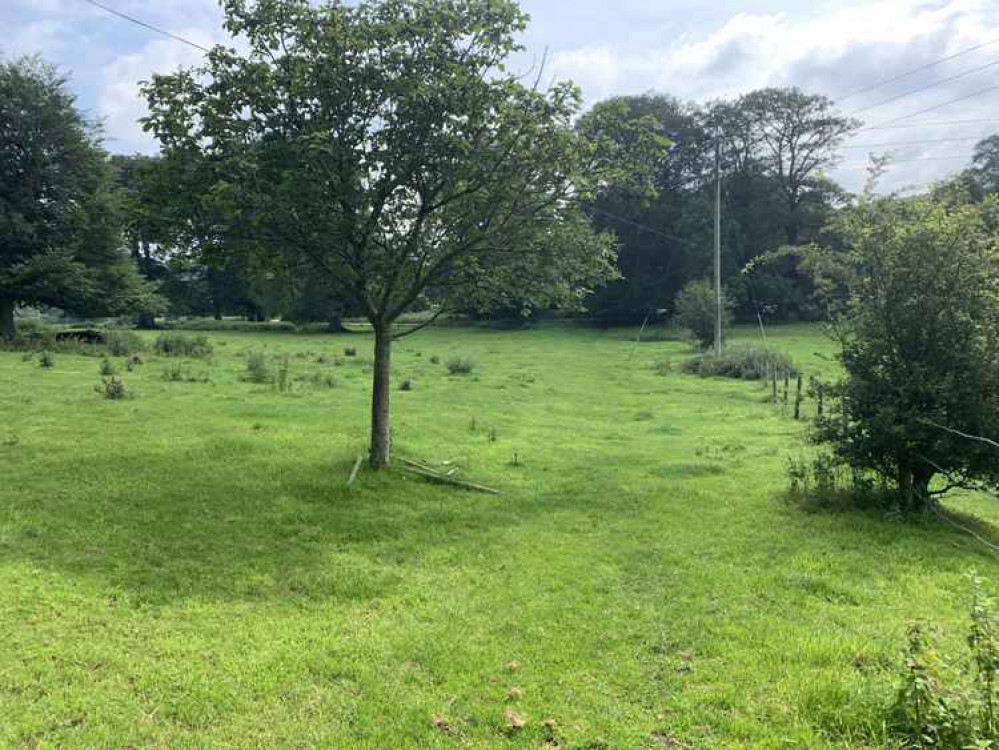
[[46, 360], [460, 365], [741, 362], [947, 701], [435, 360], [124, 343], [406, 385], [258, 368], [107, 368], [350, 351], [179, 345], [113, 388], [282, 377], [34, 334], [696, 311]]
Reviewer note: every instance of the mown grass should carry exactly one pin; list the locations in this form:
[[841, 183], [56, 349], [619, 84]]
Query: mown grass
[[186, 568]]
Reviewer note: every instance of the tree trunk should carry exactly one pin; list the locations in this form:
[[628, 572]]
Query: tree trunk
[[7, 328], [914, 487], [381, 437]]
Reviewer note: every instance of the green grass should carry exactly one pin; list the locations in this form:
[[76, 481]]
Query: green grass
[[186, 568]]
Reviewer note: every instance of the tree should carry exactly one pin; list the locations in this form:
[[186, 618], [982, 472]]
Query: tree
[[59, 222], [919, 333], [796, 135], [385, 146], [986, 163], [697, 311]]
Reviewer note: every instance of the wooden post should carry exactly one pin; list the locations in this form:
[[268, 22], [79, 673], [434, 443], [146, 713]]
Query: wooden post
[[797, 400]]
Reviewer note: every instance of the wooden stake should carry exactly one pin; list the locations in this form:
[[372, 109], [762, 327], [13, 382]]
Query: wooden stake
[[445, 479], [353, 472]]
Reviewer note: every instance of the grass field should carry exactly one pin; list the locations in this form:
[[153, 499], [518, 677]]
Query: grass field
[[186, 568]]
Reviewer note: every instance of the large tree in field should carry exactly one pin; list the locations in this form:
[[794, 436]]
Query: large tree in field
[[914, 295], [795, 135], [385, 146], [59, 218]]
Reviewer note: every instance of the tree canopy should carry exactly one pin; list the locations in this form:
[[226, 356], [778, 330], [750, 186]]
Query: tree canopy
[[386, 146], [60, 243], [914, 305]]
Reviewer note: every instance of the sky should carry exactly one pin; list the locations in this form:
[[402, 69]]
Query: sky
[[693, 49]]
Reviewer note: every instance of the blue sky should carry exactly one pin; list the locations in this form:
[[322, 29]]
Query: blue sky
[[693, 50]]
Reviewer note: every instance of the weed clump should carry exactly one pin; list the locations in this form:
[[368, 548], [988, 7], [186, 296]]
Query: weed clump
[[946, 700], [350, 351], [180, 345], [107, 368], [406, 385], [435, 360], [258, 368], [741, 362], [460, 365], [47, 360], [112, 388], [121, 343]]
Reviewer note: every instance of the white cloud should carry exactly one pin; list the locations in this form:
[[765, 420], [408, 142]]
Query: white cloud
[[836, 53], [121, 103]]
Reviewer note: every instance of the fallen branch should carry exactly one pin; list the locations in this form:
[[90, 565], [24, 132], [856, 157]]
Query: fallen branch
[[428, 467], [353, 472], [433, 476]]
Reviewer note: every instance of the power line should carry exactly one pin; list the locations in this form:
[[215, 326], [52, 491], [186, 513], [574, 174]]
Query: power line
[[913, 71], [645, 228], [936, 106], [892, 162], [928, 124], [145, 25], [926, 87], [914, 143]]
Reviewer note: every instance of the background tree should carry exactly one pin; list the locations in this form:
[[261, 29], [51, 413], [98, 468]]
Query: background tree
[[986, 163], [775, 145], [919, 335], [60, 242], [384, 146]]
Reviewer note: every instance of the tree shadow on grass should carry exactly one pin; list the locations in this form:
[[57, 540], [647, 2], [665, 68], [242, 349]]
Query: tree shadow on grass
[[239, 530]]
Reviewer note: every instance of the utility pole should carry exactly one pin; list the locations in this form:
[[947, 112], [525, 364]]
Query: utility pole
[[718, 286]]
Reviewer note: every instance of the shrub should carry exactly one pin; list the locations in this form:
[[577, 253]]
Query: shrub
[[34, 334], [947, 701], [742, 362], [350, 351], [282, 377], [113, 388], [179, 345], [915, 315], [107, 368], [258, 368], [46, 359], [460, 365], [696, 310], [435, 360], [122, 343]]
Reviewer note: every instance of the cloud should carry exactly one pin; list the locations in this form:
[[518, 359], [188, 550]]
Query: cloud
[[835, 54], [121, 103]]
